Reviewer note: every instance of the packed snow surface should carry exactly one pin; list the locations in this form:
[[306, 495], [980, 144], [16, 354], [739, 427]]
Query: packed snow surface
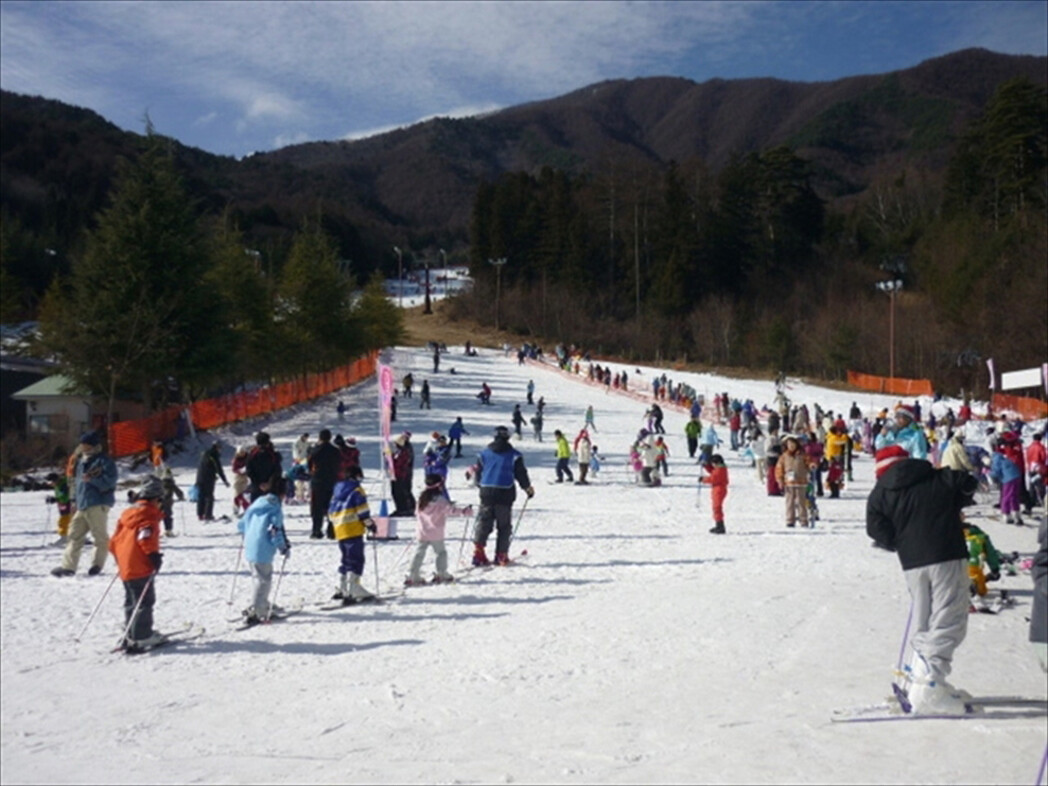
[[628, 646]]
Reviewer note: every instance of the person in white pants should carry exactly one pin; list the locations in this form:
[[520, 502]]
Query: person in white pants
[[915, 511]]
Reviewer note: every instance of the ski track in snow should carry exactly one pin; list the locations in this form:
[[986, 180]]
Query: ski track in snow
[[630, 646]]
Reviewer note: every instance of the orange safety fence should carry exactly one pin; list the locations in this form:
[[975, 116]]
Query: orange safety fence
[[894, 385], [135, 436], [1026, 408]]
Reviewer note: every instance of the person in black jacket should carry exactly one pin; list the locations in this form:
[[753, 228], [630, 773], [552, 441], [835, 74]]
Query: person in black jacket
[[325, 461], [915, 511], [208, 470], [263, 466]]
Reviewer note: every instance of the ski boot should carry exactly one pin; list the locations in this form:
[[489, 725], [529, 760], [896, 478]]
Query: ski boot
[[442, 578], [502, 559], [357, 593], [718, 529], [480, 559], [343, 588]]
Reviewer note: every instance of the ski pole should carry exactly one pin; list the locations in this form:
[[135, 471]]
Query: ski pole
[[236, 571], [521, 516], [1044, 766], [374, 543], [97, 606], [276, 590], [905, 637], [138, 606], [462, 545]]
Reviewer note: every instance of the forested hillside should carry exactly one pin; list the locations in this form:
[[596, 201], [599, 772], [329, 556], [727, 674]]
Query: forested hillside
[[741, 222]]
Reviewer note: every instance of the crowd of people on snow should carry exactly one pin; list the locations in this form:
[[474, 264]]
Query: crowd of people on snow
[[927, 471]]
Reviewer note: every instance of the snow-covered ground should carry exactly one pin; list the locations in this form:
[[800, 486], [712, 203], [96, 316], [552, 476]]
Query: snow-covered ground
[[629, 646]]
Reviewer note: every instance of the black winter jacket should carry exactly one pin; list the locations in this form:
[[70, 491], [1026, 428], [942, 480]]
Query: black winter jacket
[[915, 510], [324, 463]]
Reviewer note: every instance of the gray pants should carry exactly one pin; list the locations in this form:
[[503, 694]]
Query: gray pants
[[420, 554], [262, 574], [940, 611]]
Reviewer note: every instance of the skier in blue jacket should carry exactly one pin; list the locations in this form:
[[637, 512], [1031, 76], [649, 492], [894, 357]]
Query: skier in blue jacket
[[497, 467], [262, 527]]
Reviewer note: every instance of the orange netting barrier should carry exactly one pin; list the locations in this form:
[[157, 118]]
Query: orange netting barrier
[[135, 436], [1026, 408], [894, 385]]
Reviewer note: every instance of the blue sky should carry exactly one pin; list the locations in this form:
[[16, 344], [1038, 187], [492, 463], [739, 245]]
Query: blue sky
[[238, 77]]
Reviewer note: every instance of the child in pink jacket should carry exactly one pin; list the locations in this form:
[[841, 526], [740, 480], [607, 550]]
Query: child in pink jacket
[[431, 516]]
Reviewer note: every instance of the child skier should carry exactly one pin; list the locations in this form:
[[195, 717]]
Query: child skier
[[980, 551], [262, 527], [717, 478], [171, 490], [135, 546], [432, 513], [662, 452], [240, 481], [351, 518], [61, 498]]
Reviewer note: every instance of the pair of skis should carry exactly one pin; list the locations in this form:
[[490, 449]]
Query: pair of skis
[[188, 632]]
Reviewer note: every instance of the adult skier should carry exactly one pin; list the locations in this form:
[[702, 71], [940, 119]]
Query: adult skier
[[94, 486], [497, 467], [915, 511], [325, 465]]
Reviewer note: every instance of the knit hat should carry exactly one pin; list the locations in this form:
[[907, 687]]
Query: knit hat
[[904, 411], [90, 438], [887, 456], [153, 488]]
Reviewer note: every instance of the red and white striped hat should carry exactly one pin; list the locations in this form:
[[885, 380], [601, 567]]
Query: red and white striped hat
[[887, 456]]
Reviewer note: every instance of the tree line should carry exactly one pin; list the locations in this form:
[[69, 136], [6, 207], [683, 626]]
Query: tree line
[[750, 268], [165, 303]]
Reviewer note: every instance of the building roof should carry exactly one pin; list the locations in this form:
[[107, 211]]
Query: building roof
[[55, 386]]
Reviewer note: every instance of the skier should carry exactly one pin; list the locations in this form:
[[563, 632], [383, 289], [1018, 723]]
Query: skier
[[980, 551], [645, 447], [135, 547], [717, 478], [262, 527], [485, 394], [208, 471], [710, 441], [341, 410], [656, 415], [436, 358], [431, 515], [351, 518], [915, 510], [423, 395], [584, 452], [300, 455], [904, 432], [95, 484], [772, 452], [403, 472], [1007, 472], [407, 382], [791, 473], [171, 490], [61, 498], [1037, 467], [497, 467], [692, 431], [455, 433], [563, 454], [536, 423], [662, 453], [589, 424], [435, 459], [240, 480], [263, 466], [348, 452], [518, 420], [325, 464], [531, 392]]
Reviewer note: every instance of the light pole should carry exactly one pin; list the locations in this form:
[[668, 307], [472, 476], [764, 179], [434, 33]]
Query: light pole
[[428, 309], [498, 263], [400, 276], [444, 254], [891, 287]]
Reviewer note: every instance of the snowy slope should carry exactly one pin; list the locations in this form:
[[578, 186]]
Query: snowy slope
[[630, 646]]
